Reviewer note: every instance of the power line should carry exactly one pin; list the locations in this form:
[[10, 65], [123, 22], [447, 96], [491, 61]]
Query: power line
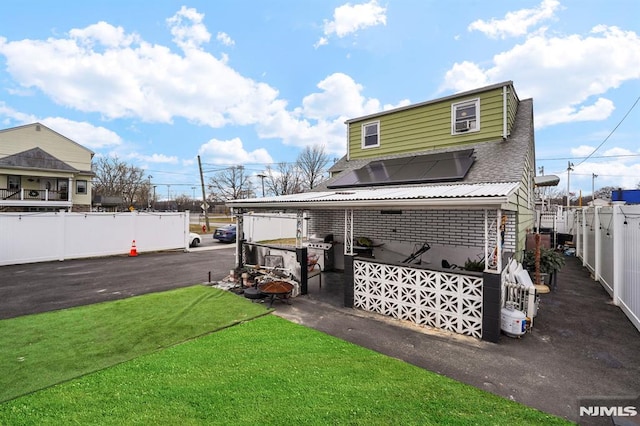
[[585, 158], [612, 131]]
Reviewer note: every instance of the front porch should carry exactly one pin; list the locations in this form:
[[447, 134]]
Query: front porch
[[42, 193]]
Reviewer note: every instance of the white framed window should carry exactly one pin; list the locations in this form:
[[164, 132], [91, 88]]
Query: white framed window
[[13, 182], [465, 117], [81, 187], [371, 135]]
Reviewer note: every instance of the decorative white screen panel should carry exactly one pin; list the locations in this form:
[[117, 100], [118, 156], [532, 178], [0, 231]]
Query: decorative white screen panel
[[444, 300]]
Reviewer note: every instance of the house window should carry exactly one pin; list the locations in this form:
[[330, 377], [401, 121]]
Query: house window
[[13, 182], [371, 135], [465, 117], [81, 187], [63, 189]]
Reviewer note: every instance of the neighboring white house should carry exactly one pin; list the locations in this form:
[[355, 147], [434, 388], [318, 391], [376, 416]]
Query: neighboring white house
[[42, 170]]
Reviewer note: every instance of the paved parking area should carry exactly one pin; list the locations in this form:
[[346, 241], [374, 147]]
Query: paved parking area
[[41, 287]]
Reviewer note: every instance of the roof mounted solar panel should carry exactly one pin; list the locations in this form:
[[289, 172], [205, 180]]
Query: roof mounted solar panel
[[441, 167]]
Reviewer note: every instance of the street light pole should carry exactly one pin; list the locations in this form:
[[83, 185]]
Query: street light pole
[[262, 176]]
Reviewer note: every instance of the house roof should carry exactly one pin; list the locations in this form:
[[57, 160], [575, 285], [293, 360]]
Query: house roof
[[35, 159], [493, 178], [450, 196]]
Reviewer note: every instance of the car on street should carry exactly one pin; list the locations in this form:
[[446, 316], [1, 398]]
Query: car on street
[[194, 239], [225, 234]]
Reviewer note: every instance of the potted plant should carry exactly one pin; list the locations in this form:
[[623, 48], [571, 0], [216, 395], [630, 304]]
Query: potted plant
[[474, 265], [551, 262]]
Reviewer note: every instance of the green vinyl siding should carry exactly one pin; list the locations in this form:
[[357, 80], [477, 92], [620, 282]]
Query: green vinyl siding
[[512, 108], [428, 126]]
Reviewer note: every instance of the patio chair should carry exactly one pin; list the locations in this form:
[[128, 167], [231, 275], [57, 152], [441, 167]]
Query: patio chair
[[314, 269]]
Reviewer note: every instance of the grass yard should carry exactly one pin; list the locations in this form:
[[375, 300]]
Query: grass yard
[[41, 350], [263, 371]]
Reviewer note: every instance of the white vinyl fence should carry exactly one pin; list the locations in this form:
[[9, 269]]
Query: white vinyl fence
[[270, 226], [39, 237], [608, 242]]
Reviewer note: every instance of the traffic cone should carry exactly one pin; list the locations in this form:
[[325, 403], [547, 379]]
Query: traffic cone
[[133, 251]]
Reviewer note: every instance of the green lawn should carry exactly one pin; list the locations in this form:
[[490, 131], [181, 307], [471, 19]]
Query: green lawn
[[40, 350], [262, 371]]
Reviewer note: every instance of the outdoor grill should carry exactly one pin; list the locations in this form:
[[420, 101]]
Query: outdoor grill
[[324, 251]]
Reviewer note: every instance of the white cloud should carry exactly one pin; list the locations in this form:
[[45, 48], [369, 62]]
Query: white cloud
[[225, 39], [154, 158], [565, 76], [187, 28], [348, 19], [320, 119], [232, 152], [516, 23], [138, 80], [86, 134], [104, 34], [102, 69]]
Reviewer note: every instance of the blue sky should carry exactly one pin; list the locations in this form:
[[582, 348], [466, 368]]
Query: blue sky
[[254, 82]]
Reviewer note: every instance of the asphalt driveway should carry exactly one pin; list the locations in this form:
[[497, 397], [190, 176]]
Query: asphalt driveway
[[41, 287]]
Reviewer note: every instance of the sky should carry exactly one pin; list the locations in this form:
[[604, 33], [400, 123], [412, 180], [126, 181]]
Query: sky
[[254, 82]]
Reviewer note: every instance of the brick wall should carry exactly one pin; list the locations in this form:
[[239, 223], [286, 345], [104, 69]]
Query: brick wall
[[446, 227]]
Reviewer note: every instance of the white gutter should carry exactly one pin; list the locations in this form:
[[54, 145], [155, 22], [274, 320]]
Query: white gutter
[[460, 202]]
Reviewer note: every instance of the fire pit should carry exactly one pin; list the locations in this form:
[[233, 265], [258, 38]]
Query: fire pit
[[280, 289]]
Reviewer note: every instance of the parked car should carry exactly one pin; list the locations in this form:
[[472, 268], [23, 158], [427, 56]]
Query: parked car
[[225, 234], [194, 239]]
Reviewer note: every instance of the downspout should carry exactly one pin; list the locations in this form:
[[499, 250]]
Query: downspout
[[504, 112]]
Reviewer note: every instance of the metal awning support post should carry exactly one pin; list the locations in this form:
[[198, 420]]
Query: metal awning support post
[[239, 237], [493, 253], [299, 227], [348, 232]]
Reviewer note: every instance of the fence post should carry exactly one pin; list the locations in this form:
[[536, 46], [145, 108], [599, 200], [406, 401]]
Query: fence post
[[62, 227], [618, 248], [597, 243], [585, 242]]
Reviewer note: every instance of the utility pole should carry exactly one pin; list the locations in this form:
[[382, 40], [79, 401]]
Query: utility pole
[[569, 168], [205, 207], [149, 194], [593, 186]]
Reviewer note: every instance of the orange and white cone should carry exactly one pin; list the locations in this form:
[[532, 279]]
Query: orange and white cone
[[133, 251]]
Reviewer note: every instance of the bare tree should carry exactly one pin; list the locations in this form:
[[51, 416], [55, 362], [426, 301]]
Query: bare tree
[[604, 192], [312, 162], [284, 179], [115, 178], [231, 184]]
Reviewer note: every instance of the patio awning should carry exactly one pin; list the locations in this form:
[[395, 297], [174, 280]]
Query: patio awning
[[476, 196]]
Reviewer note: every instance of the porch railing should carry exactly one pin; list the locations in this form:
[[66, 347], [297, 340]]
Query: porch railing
[[33, 194]]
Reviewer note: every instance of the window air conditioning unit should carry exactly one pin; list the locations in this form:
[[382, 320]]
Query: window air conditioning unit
[[463, 126]]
